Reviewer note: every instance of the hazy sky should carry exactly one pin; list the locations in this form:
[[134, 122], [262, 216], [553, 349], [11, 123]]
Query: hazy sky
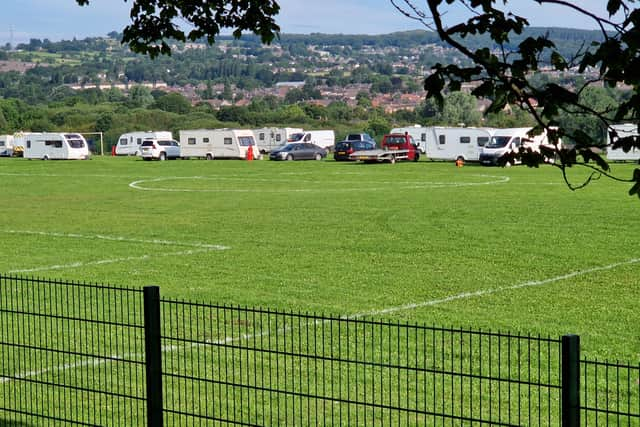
[[21, 20]]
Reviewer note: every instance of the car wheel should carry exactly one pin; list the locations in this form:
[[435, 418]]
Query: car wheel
[[289, 157], [163, 156], [45, 158], [416, 157], [318, 156], [209, 156]]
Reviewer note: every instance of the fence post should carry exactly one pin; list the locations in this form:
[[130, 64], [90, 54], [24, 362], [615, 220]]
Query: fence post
[[153, 355], [570, 381]]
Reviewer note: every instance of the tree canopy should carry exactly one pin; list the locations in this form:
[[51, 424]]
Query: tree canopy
[[154, 22], [502, 71]]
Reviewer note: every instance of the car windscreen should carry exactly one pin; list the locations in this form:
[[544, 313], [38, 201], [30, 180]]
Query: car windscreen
[[342, 146], [296, 137], [498, 142]]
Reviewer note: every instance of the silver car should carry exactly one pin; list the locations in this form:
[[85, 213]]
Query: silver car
[[161, 149]]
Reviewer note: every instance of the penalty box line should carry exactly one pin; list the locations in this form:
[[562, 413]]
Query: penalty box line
[[198, 248]]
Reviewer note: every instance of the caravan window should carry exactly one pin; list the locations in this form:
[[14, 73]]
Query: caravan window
[[465, 139], [442, 139], [1, 143], [28, 144], [191, 141], [423, 137], [228, 141], [74, 143], [482, 140], [139, 141], [245, 141], [55, 144], [206, 140], [123, 141], [278, 138], [261, 136]]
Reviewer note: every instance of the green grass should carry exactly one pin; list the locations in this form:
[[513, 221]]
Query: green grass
[[342, 239]]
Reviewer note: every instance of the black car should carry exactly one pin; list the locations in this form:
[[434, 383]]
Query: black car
[[298, 151], [344, 149]]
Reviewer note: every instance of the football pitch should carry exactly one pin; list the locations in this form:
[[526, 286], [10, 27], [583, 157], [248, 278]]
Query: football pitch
[[502, 249]]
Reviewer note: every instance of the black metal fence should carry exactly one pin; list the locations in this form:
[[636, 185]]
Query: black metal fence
[[85, 354]]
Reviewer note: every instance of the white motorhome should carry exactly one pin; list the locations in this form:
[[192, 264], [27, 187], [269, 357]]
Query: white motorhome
[[56, 146], [6, 145], [618, 154], [268, 139], [129, 143], [508, 140], [217, 143], [322, 138], [453, 143]]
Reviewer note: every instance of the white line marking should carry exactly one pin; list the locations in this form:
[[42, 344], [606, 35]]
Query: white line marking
[[116, 239], [480, 293], [109, 261], [495, 290], [407, 185]]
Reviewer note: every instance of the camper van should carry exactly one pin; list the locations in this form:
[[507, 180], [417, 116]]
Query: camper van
[[268, 139], [453, 143], [618, 154], [217, 143], [129, 143], [56, 146], [322, 138], [510, 140], [6, 145]]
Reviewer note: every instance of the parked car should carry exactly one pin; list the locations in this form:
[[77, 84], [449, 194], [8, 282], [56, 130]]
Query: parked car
[[345, 148], [298, 151], [161, 149], [360, 137]]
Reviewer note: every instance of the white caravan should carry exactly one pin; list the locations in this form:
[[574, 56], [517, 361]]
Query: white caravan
[[16, 144], [618, 154], [268, 139], [129, 143], [322, 138], [451, 143], [217, 143], [6, 145], [510, 140], [56, 146]]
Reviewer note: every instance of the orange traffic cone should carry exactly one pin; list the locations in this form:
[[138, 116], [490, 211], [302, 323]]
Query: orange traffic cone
[[250, 153]]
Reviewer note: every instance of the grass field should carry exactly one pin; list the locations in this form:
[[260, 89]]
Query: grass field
[[492, 248]]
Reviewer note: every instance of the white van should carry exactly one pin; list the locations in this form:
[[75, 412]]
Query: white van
[[129, 143], [217, 143], [56, 146], [453, 143], [618, 155], [322, 138], [268, 139], [510, 140]]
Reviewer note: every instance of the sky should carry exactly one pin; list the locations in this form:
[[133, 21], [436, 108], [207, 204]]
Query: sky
[[21, 20]]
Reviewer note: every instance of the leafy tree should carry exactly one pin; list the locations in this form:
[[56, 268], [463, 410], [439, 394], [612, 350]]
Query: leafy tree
[[140, 97], [173, 103], [154, 22], [459, 109], [502, 72]]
